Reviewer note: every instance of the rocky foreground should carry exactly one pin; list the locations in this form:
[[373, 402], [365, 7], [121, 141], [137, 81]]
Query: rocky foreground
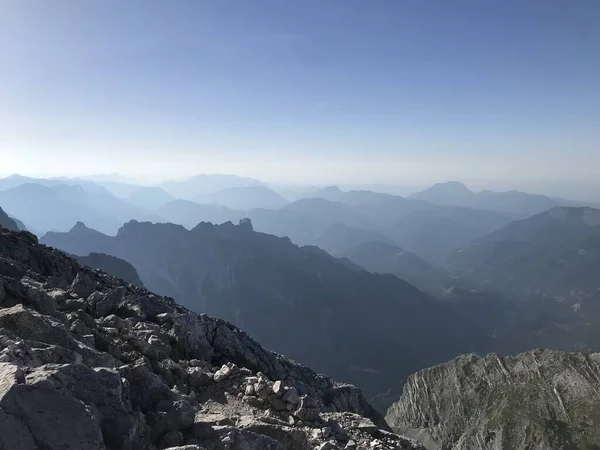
[[90, 362], [539, 400]]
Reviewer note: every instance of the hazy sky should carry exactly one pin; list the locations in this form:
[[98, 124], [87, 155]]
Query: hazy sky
[[391, 91]]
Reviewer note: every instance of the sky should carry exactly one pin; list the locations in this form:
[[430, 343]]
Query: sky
[[355, 91]]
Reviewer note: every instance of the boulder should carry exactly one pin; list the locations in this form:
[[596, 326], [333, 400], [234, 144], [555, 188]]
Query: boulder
[[308, 410], [83, 286]]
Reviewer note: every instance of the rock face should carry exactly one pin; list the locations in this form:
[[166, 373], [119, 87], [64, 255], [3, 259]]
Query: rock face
[[90, 362], [537, 400]]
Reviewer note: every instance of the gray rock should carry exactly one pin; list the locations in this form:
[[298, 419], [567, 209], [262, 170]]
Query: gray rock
[[2, 293], [291, 396], [308, 410], [103, 304], [222, 374], [73, 305], [278, 388], [537, 400], [83, 286], [74, 399], [198, 377], [186, 447], [36, 297]]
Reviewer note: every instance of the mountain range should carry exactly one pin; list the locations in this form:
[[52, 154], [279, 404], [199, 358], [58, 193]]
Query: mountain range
[[366, 287], [89, 362], [268, 286], [512, 203], [552, 253]]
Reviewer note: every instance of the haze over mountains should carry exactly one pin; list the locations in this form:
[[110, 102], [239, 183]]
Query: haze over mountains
[[341, 280]]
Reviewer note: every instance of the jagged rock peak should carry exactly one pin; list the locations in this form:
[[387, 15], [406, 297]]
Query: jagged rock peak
[[90, 362], [79, 226], [542, 399], [246, 224]]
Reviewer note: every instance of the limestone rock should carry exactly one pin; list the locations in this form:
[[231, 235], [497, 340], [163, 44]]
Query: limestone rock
[[541, 399]]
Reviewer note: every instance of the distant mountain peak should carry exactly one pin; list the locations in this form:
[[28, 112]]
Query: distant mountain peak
[[79, 226], [454, 187]]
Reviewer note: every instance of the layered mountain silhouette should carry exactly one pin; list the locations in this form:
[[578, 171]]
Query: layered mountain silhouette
[[244, 198], [382, 257], [338, 239], [428, 230], [54, 205], [150, 198], [548, 265], [554, 253], [298, 301], [514, 203], [197, 185]]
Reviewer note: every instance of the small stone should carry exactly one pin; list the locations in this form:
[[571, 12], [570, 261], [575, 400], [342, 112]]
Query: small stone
[[279, 388], [308, 410], [164, 318], [249, 390], [327, 446], [262, 390], [198, 377], [222, 374], [291, 396]]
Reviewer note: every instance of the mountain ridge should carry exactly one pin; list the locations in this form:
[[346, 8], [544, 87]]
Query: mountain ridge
[[90, 362], [242, 276], [541, 399]]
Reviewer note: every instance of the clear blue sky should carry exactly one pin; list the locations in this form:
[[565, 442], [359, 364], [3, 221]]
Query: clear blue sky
[[340, 90]]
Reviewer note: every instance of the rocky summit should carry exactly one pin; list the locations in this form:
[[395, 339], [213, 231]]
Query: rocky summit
[[88, 361], [538, 400]]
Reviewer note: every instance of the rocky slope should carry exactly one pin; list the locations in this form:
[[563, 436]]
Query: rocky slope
[[539, 400], [90, 362], [299, 301]]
